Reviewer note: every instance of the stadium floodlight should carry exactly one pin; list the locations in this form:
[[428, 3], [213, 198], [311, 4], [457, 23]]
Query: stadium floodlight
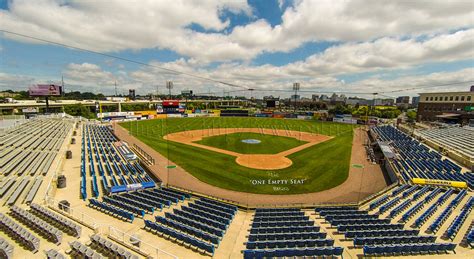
[[296, 88], [169, 86]]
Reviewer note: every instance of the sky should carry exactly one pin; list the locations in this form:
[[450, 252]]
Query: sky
[[352, 47]]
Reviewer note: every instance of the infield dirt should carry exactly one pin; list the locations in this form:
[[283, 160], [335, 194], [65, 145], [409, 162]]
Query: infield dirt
[[256, 161]]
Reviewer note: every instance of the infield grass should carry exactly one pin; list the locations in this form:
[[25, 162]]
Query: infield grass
[[269, 144], [321, 166]]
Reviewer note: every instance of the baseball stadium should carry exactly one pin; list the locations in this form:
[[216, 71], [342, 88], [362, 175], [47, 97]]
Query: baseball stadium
[[236, 129], [228, 187]]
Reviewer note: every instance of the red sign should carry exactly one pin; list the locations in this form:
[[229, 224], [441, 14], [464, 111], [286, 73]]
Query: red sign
[[168, 103]]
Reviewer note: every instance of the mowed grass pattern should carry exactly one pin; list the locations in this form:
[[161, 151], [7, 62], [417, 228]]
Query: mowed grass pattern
[[269, 144], [321, 166]]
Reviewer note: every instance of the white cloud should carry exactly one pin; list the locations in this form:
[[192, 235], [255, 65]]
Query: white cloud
[[120, 24], [14, 81], [387, 53]]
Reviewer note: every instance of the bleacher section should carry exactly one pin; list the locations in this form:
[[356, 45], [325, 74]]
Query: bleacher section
[[287, 233], [415, 160], [105, 167], [200, 225], [6, 249], [38, 225], [18, 233], [67, 225], [379, 236], [458, 139], [127, 206], [27, 154]]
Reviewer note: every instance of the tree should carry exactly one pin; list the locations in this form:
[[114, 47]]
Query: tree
[[411, 114], [79, 110]]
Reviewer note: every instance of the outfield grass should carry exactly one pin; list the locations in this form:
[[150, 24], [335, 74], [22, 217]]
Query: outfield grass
[[269, 144], [322, 166]]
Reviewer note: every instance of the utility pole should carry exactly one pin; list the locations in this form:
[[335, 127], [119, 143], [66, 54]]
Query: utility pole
[[296, 88], [62, 85], [115, 88]]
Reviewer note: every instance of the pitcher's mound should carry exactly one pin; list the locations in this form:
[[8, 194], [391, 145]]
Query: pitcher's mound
[[264, 162]]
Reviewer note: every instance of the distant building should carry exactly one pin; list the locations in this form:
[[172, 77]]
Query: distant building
[[415, 100], [455, 107], [324, 98], [356, 101], [388, 102], [315, 97], [403, 99]]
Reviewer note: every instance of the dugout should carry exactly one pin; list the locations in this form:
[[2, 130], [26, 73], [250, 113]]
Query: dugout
[[234, 113]]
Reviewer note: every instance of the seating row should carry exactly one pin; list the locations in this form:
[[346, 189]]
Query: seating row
[[206, 214], [134, 196], [116, 212], [289, 243], [54, 218], [336, 208], [79, 250], [18, 233], [276, 209], [213, 205], [195, 224], [279, 213], [287, 236], [202, 219], [381, 233], [343, 228], [186, 239], [54, 254], [109, 248], [282, 224], [281, 218], [131, 202], [361, 241], [125, 206], [280, 229], [347, 222], [38, 225], [403, 249], [212, 210], [6, 249], [188, 230], [220, 204], [310, 252], [438, 222], [453, 229]]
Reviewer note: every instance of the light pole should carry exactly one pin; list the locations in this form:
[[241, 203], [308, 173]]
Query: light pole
[[296, 88], [169, 86]]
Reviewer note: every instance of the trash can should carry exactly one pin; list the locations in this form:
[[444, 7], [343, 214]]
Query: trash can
[[61, 182], [68, 154], [73, 141], [64, 205]]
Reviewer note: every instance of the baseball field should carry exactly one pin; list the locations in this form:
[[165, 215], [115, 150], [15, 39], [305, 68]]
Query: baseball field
[[255, 155]]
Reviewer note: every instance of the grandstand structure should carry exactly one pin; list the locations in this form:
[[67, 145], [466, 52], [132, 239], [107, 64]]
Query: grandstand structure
[[411, 159], [116, 209], [455, 142], [106, 165], [27, 154]]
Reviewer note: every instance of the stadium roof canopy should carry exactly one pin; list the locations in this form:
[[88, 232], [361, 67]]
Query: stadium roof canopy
[[386, 150]]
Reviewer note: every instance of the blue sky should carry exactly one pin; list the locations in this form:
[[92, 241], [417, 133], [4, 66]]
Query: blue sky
[[254, 44]]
